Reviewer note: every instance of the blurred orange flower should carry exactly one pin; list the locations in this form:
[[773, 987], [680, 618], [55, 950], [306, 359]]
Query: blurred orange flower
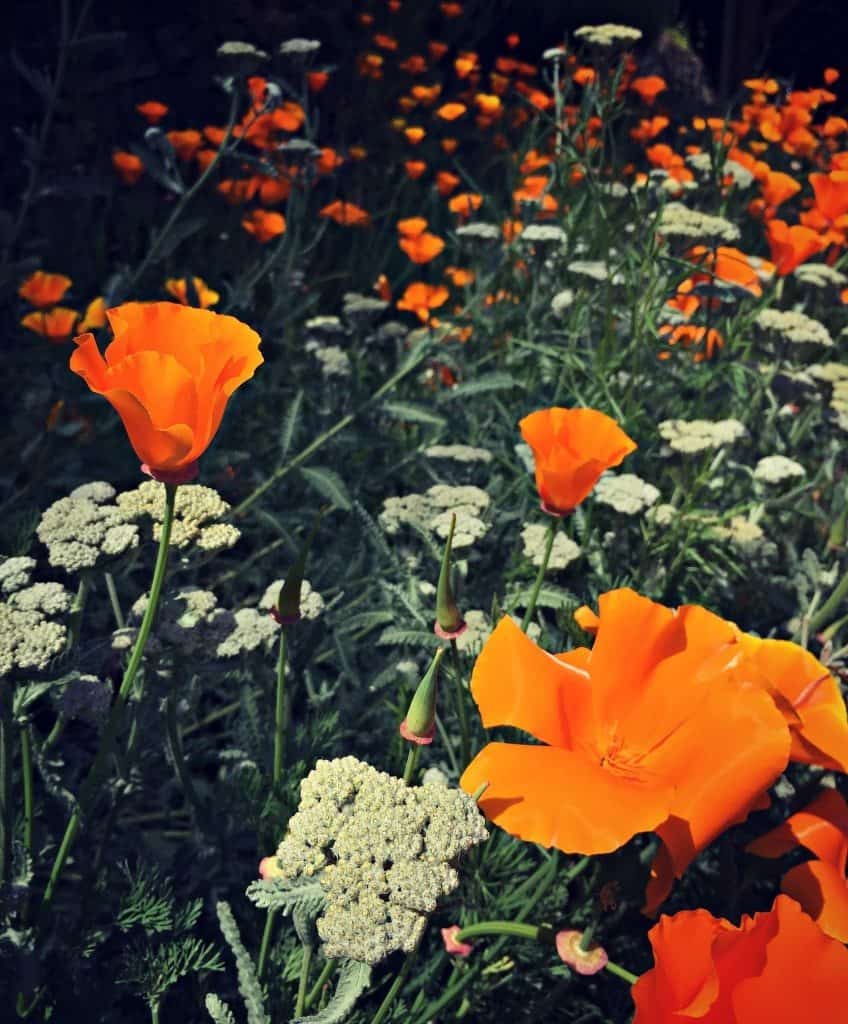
[[643, 729], [95, 315], [777, 966], [423, 247], [791, 246], [168, 373], [465, 203], [459, 277], [414, 134], [820, 886], [421, 299], [410, 227], [346, 214], [571, 449], [316, 80], [446, 182], [451, 111], [204, 295], [185, 143], [128, 166], [415, 169], [41, 289], [648, 87], [152, 111], [56, 324], [264, 225]]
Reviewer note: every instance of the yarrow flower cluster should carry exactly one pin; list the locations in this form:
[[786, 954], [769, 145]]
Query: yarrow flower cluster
[[15, 573], [794, 327], [434, 509], [196, 510], [625, 492], [458, 453], [563, 552], [678, 221], [820, 275], [480, 231], [562, 302], [383, 852], [691, 436], [311, 602], [595, 270], [774, 469], [608, 34], [334, 361], [29, 638], [84, 528]]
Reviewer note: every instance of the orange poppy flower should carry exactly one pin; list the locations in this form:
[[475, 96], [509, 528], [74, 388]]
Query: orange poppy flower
[[437, 49], [451, 111], [152, 111], [426, 94], [488, 103], [41, 289], [204, 158], [385, 41], [766, 85], [777, 188], [791, 246], [264, 225], [776, 966], [648, 87], [584, 76], [465, 203], [728, 264], [415, 64], [316, 80], [383, 288], [830, 75], [451, 10], [238, 191], [168, 373], [449, 146], [572, 448], [820, 886], [186, 143], [346, 214], [95, 315], [129, 167], [272, 191], [420, 298], [464, 66], [831, 192], [411, 227], [56, 324], [648, 128], [459, 277], [415, 169], [414, 134], [446, 182], [642, 730], [423, 247], [205, 296]]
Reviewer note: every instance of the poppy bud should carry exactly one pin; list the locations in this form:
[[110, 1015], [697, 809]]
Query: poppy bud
[[449, 622], [420, 722], [287, 610]]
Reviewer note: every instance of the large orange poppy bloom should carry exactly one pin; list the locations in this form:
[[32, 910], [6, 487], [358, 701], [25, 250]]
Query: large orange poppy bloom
[[820, 886], [777, 966], [791, 246], [644, 729], [168, 373], [572, 448]]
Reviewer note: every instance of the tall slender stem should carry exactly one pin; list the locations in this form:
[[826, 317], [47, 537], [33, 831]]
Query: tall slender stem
[[460, 703], [112, 591], [266, 942], [540, 575], [411, 763], [175, 747], [91, 783], [77, 609], [26, 774], [303, 981], [396, 986], [323, 978], [280, 722], [6, 818]]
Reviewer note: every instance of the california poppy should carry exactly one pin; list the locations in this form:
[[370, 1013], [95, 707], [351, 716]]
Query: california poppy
[[41, 289], [264, 225], [185, 143], [168, 373], [421, 299], [447, 182], [56, 324], [316, 80], [346, 214], [95, 315], [411, 227], [423, 247], [571, 449], [642, 730], [648, 87], [791, 246], [777, 966], [465, 203], [128, 166], [152, 111], [451, 111], [204, 295], [414, 169], [820, 885]]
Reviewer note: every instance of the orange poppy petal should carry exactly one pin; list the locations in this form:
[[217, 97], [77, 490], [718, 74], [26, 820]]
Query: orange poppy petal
[[822, 891], [554, 797], [516, 683], [821, 827]]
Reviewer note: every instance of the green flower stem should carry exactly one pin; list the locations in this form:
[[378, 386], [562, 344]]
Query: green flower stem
[[460, 703], [280, 722], [55, 733], [77, 609], [831, 605], [412, 362], [620, 972], [6, 819], [212, 717], [411, 763], [154, 1012], [266, 942], [26, 774], [318, 987], [112, 591], [303, 981], [91, 783], [540, 575], [175, 747], [516, 929], [396, 986]]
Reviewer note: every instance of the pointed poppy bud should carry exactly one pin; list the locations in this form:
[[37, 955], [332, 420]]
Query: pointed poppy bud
[[449, 622], [420, 722], [287, 610]]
